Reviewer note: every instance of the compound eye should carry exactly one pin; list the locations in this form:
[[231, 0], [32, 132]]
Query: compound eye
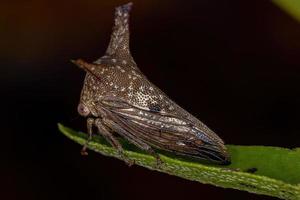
[[83, 110]]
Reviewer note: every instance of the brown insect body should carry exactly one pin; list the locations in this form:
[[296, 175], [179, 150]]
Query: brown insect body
[[118, 98]]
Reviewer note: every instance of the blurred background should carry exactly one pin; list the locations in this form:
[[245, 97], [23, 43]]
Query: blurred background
[[233, 64]]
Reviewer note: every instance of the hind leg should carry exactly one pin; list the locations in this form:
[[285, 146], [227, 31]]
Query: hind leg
[[108, 135], [137, 142]]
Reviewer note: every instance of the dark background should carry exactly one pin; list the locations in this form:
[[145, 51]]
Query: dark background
[[233, 64]]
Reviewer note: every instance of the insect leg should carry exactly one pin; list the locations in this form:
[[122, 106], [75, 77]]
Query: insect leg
[[90, 123], [105, 132], [137, 142]]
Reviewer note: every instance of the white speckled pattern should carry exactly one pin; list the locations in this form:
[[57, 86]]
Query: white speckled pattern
[[115, 89]]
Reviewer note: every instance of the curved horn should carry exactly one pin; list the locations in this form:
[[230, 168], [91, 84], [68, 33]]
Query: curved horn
[[119, 41]]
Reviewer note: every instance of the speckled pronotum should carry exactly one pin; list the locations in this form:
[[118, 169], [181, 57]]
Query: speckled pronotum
[[117, 98]]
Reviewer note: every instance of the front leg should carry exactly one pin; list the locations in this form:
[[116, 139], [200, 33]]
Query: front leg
[[108, 135], [90, 123]]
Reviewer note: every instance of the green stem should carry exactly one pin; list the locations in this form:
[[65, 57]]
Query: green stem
[[274, 171]]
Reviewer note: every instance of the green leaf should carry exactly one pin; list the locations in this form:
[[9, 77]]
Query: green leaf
[[264, 170], [292, 7]]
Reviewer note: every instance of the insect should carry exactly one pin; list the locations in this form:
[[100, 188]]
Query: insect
[[118, 98]]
